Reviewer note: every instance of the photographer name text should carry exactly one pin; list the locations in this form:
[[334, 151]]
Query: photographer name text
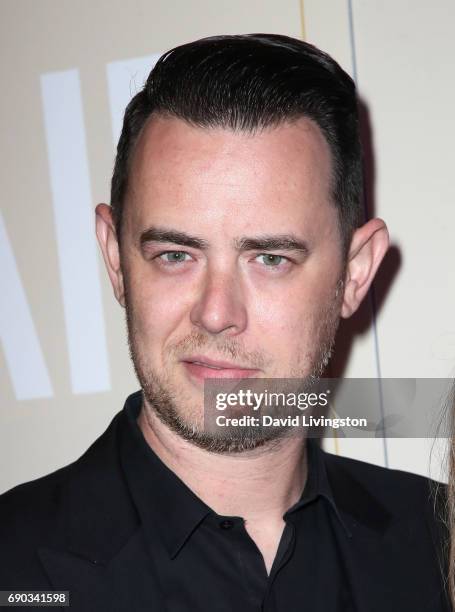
[[299, 420]]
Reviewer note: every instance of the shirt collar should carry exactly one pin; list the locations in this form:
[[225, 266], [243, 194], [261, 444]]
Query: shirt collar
[[167, 506], [317, 484]]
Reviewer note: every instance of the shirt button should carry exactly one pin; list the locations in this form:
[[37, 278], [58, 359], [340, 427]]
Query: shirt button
[[226, 524]]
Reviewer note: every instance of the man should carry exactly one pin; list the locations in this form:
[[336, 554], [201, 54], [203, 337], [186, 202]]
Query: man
[[234, 242]]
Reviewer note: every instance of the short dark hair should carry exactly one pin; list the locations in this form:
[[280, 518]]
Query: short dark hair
[[248, 82]]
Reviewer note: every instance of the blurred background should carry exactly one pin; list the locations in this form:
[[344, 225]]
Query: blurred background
[[68, 69]]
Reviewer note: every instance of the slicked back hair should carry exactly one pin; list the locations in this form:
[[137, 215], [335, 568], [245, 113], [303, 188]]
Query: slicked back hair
[[248, 83]]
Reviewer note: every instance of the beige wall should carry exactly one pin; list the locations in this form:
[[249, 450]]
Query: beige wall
[[401, 55], [53, 403]]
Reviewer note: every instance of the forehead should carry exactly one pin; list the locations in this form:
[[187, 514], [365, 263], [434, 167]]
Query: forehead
[[184, 173]]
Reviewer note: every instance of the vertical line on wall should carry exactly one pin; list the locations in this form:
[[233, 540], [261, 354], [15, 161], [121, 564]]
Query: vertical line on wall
[[371, 293], [352, 42], [302, 19]]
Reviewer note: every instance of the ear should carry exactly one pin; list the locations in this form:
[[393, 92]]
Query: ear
[[368, 246], [107, 239]]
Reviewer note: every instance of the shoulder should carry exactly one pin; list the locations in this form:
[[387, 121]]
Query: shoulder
[[398, 491], [36, 513], [38, 500], [35, 499], [30, 516], [379, 478]]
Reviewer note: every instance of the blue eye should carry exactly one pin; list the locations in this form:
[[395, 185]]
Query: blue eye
[[173, 256], [271, 260]]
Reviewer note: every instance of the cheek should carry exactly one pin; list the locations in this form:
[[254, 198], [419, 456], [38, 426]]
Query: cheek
[[293, 308], [290, 319], [159, 314], [156, 311], [280, 326]]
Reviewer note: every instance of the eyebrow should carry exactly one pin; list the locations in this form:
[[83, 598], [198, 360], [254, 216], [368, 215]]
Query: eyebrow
[[272, 242], [265, 242], [156, 234]]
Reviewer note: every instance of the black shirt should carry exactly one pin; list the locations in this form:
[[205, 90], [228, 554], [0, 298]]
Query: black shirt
[[204, 561], [121, 533]]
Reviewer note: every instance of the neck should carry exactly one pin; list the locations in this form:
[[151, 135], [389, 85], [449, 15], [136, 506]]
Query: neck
[[258, 485], [263, 482]]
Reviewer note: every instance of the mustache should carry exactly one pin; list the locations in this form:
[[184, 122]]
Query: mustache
[[227, 347]]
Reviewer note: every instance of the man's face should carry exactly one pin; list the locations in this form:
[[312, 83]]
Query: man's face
[[231, 258]]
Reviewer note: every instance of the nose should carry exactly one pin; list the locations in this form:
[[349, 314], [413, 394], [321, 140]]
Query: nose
[[220, 307]]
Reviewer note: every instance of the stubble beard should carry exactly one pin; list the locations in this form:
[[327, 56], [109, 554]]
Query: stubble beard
[[163, 401]]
